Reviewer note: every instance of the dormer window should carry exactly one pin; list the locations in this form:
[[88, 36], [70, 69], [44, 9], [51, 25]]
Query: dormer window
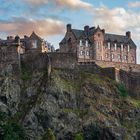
[[115, 45], [128, 47], [121, 47], [108, 45], [86, 43], [80, 42]]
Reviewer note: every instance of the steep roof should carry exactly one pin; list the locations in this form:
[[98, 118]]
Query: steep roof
[[119, 39], [108, 37], [35, 36]]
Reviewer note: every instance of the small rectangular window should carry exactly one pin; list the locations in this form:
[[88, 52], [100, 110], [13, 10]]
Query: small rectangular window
[[112, 56], [108, 44], [121, 47], [106, 55], [119, 56], [128, 48], [86, 43], [125, 57], [115, 45], [87, 53], [80, 43]]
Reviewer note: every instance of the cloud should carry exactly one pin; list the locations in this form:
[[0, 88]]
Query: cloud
[[134, 4], [36, 3], [117, 20], [72, 4], [22, 26]]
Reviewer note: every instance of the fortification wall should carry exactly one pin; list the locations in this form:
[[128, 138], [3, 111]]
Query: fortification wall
[[123, 66], [132, 81], [34, 60], [119, 65], [63, 60]]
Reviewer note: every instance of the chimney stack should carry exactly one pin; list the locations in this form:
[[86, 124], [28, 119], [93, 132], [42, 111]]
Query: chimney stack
[[128, 34], [68, 27]]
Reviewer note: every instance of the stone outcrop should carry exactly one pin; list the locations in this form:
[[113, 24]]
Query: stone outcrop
[[69, 103]]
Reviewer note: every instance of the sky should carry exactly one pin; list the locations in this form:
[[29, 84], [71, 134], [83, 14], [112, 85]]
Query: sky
[[48, 18]]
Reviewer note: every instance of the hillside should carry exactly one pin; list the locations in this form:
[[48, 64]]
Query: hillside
[[69, 105]]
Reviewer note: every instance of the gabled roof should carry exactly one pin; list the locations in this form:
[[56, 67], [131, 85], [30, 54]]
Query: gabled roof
[[35, 36], [108, 37]]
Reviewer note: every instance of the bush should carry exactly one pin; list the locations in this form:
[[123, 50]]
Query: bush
[[49, 135], [13, 131], [122, 91], [79, 136]]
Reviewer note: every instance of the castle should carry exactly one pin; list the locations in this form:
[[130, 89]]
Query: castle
[[95, 44], [91, 50]]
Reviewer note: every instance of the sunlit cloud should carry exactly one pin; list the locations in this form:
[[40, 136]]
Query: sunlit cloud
[[118, 20], [72, 4], [134, 4], [22, 26]]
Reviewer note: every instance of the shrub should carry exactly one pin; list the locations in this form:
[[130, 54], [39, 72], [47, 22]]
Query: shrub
[[79, 136], [13, 131], [49, 135], [122, 91]]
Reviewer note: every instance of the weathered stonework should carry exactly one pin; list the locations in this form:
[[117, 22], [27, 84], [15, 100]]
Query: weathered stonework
[[94, 43]]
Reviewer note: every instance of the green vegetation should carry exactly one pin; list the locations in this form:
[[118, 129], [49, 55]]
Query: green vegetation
[[79, 136], [135, 102], [10, 130], [25, 73], [122, 91], [48, 135]]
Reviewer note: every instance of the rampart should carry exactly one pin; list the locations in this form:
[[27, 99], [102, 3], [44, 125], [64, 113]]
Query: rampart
[[119, 65]]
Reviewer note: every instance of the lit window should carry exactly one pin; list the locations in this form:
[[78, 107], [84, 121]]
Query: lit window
[[80, 43], [108, 45], [87, 53], [115, 45], [121, 47], [86, 43], [128, 48]]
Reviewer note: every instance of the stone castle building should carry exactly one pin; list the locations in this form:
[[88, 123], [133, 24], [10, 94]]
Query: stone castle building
[[95, 44], [33, 42]]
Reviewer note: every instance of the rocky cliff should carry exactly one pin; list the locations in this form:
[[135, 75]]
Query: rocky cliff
[[71, 105]]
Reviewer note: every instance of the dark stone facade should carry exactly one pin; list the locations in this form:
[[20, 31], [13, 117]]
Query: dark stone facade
[[94, 44]]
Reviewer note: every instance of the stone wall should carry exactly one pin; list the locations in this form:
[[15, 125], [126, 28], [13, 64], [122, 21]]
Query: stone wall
[[119, 65], [9, 58], [63, 60], [132, 81], [34, 60]]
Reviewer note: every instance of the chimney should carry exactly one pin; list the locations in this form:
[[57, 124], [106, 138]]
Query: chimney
[[86, 28], [68, 27], [103, 30], [128, 34]]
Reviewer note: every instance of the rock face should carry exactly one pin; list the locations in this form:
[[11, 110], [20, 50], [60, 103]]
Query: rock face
[[69, 103]]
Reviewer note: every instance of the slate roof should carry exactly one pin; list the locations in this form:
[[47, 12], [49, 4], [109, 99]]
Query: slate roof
[[119, 39], [108, 37]]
